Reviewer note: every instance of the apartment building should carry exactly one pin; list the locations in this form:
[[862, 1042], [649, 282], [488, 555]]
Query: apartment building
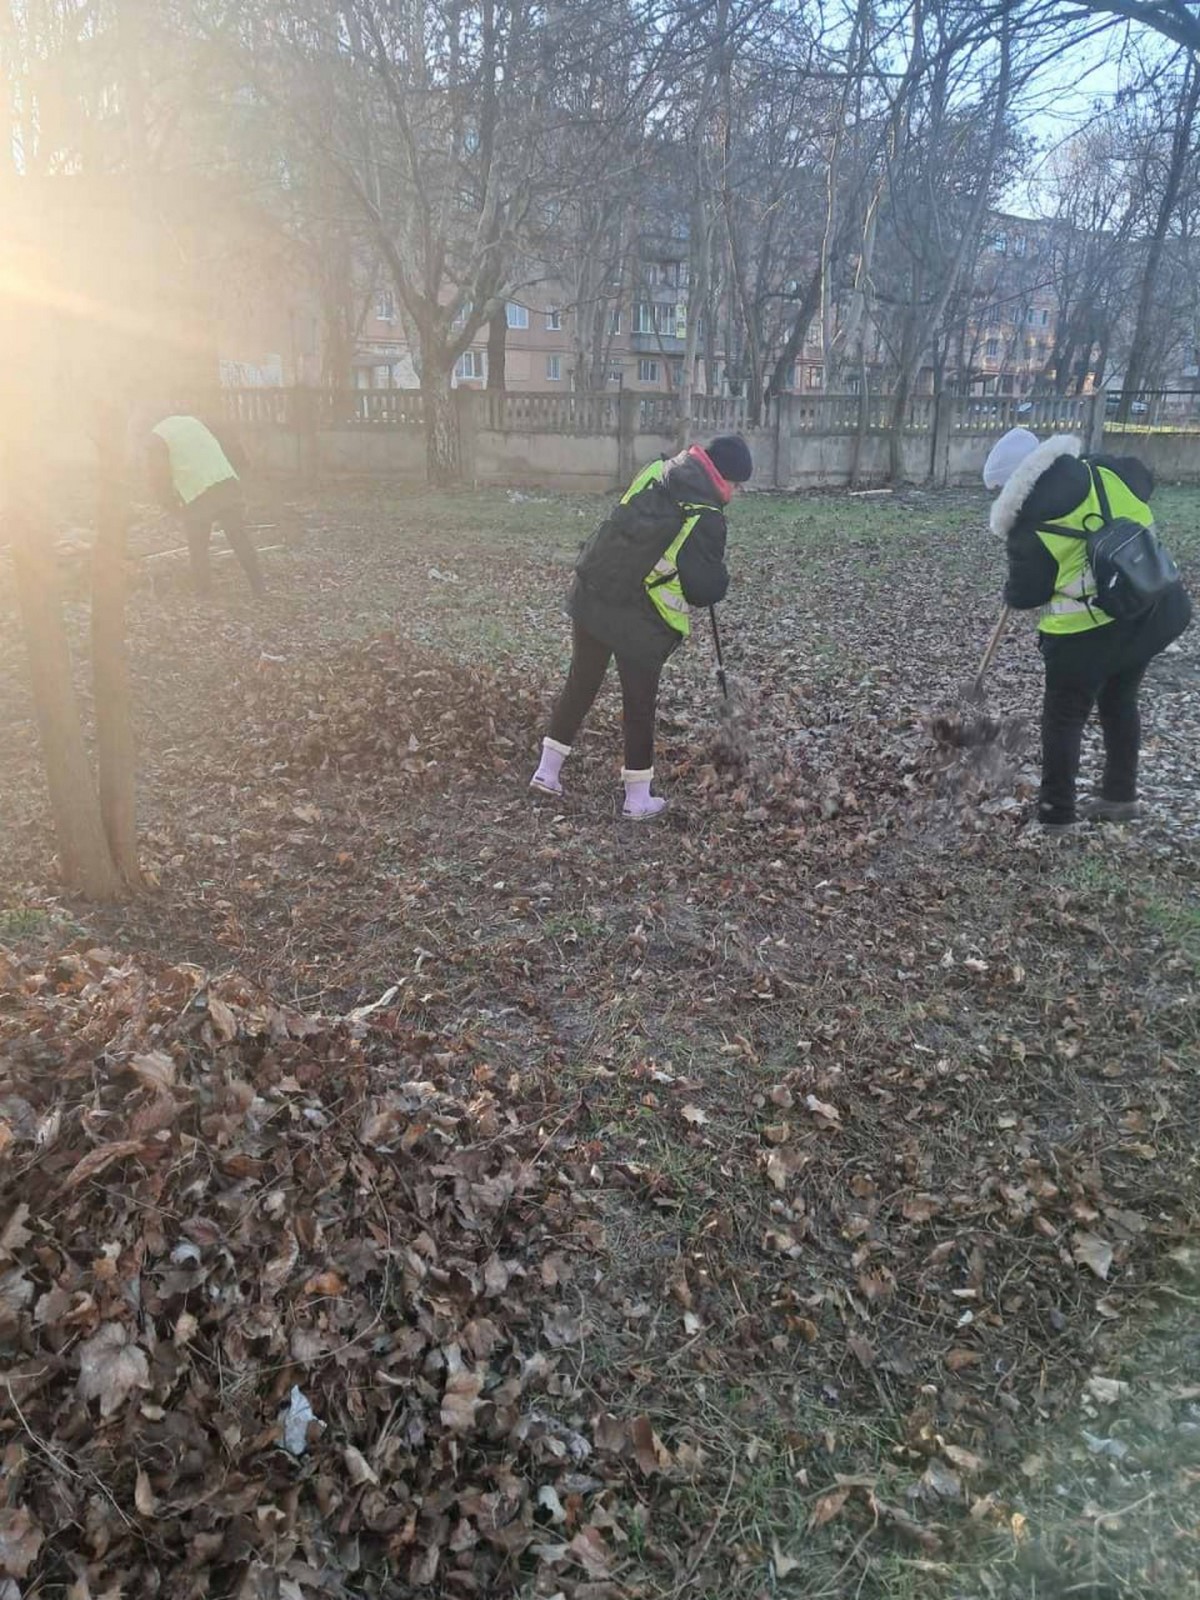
[[646, 327], [1009, 334], [1003, 345]]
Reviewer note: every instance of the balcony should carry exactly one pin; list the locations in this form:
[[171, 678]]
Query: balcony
[[655, 344]]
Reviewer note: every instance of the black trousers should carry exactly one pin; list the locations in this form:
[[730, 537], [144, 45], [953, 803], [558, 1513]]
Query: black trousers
[[1101, 668], [639, 697], [222, 504]]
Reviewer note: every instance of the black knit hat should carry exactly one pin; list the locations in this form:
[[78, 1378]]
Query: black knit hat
[[730, 454]]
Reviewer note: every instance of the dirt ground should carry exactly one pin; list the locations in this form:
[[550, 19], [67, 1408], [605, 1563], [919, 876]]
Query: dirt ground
[[815, 1194]]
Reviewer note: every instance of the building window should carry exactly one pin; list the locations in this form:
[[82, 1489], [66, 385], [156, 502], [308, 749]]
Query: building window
[[660, 319], [1020, 245], [385, 306], [459, 320], [647, 371], [992, 349], [616, 374], [517, 316], [471, 364], [1030, 317], [993, 317], [816, 377], [1045, 319], [554, 368], [677, 374], [614, 321], [1006, 383], [1000, 244], [554, 320]]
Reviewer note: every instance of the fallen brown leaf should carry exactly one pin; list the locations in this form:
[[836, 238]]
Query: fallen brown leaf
[[111, 1367], [20, 1541]]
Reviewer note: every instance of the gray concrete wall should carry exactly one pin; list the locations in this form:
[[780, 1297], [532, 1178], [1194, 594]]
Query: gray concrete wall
[[826, 460], [549, 460], [339, 452], [1172, 457]]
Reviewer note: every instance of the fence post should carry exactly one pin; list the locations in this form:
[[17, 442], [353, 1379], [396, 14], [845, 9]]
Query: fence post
[[303, 411], [784, 429], [628, 404], [943, 416], [1098, 411]]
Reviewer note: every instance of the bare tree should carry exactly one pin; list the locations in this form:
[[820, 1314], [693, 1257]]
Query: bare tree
[[942, 178]]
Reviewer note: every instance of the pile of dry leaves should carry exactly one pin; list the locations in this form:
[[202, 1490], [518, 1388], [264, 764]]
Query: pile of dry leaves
[[386, 703], [286, 1304], [833, 784]]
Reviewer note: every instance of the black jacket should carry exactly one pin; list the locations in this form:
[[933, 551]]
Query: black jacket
[[1054, 492], [608, 596]]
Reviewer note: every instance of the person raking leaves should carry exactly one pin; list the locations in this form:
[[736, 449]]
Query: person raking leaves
[[194, 471], [1081, 544], [660, 550]]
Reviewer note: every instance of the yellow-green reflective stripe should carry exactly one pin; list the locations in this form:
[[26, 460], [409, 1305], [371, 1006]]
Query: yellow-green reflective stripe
[[648, 474]]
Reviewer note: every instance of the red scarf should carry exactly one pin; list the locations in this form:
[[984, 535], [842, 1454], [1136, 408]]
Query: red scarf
[[722, 485]]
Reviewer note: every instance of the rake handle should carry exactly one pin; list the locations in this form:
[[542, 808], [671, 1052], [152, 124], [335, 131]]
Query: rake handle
[[716, 633], [989, 653]]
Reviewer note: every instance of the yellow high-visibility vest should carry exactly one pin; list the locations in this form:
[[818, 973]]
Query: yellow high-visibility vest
[[197, 460]]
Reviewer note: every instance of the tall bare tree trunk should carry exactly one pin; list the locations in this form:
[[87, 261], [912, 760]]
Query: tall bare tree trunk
[[85, 859], [443, 447], [701, 222], [116, 754], [921, 328]]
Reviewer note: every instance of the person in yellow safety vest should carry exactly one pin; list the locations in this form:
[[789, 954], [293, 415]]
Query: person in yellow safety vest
[[660, 550], [195, 471], [1090, 658]]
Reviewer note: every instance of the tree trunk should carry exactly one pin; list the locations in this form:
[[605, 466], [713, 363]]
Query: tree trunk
[[443, 447], [794, 343], [85, 859], [860, 431], [497, 348], [116, 754], [899, 420], [699, 253]]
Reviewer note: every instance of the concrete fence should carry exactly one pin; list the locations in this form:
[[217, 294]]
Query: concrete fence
[[597, 441]]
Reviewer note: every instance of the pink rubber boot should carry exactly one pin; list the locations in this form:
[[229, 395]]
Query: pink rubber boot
[[546, 778], [640, 804]]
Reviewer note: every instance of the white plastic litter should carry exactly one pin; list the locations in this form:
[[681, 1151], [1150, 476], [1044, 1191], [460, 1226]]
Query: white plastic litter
[[296, 1420], [1117, 1449]]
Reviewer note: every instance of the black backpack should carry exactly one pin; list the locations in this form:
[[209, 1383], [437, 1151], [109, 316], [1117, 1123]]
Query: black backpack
[[1131, 568]]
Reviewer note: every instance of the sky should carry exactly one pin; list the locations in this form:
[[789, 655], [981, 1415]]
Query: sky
[[1070, 92]]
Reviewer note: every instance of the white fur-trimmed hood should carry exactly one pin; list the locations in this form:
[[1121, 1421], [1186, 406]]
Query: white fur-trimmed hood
[[1007, 505]]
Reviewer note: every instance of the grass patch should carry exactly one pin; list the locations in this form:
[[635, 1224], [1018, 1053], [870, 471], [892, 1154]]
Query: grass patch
[[31, 924], [1178, 920]]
